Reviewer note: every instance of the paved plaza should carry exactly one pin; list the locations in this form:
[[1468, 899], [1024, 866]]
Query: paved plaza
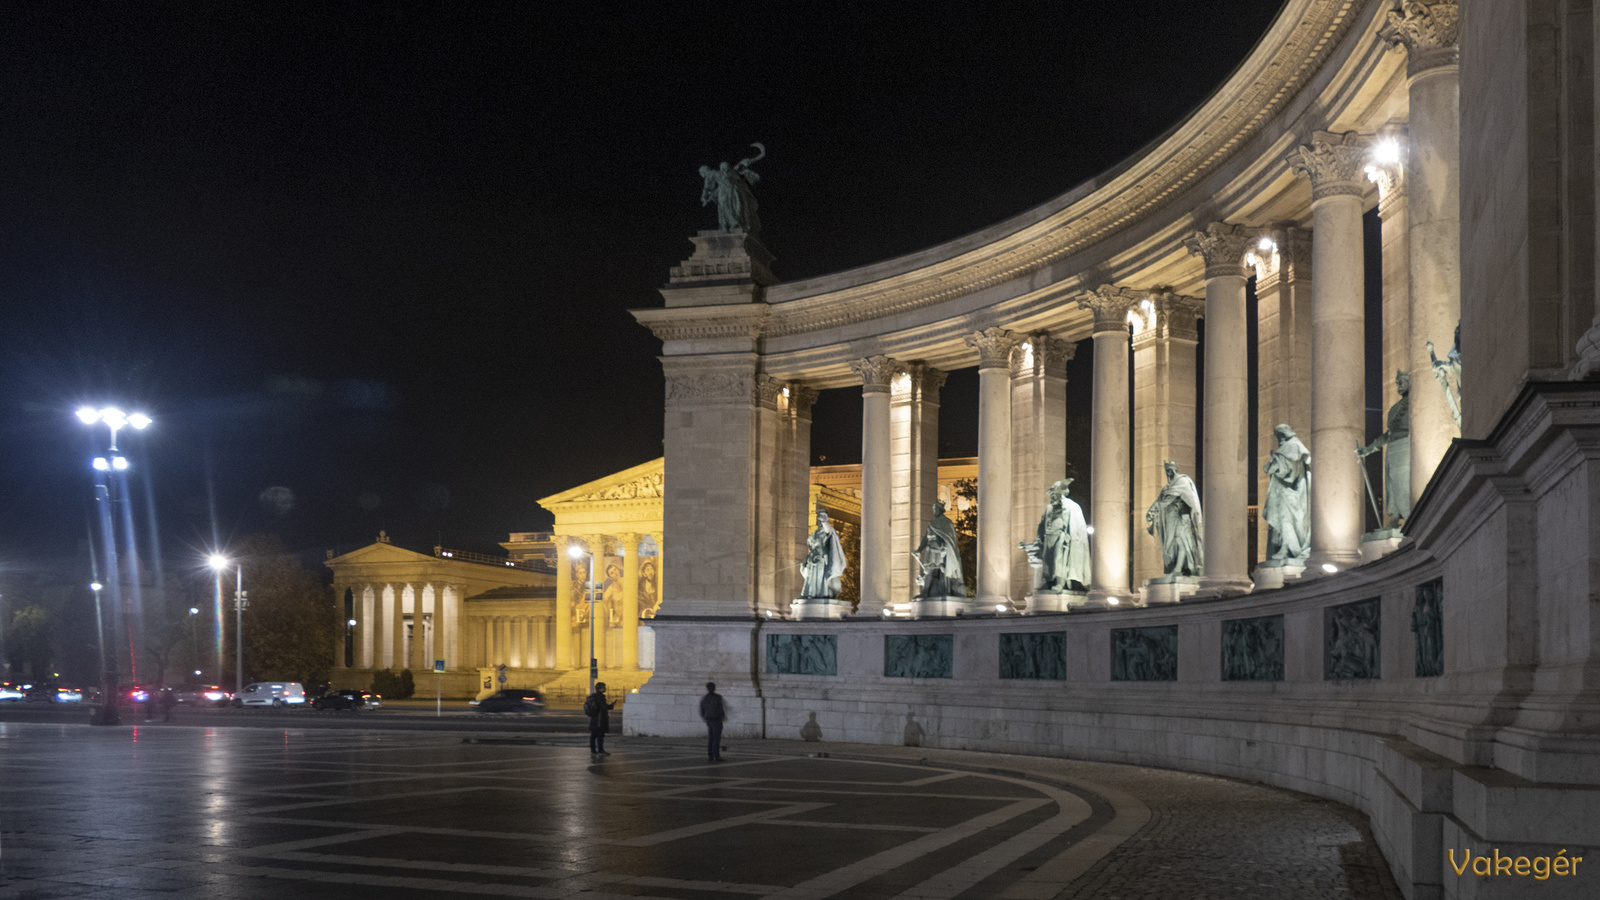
[[216, 812]]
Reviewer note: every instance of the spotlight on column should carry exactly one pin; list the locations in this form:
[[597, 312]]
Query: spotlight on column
[[575, 552], [1330, 568], [999, 607], [886, 612], [351, 623], [95, 585], [1091, 529], [1266, 245], [1112, 601], [1386, 152]]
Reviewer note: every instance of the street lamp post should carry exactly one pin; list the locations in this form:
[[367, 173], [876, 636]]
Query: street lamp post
[[103, 467], [594, 662], [218, 563]]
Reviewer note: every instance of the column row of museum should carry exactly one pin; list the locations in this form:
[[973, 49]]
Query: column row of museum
[[386, 636], [589, 597]]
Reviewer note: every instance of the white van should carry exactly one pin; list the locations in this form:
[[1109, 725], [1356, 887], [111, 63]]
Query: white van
[[271, 693]]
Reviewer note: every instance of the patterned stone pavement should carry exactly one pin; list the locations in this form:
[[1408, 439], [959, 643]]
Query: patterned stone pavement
[[175, 811]]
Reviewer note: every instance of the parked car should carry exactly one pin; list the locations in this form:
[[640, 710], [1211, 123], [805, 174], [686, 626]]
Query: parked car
[[49, 692], [348, 699], [511, 700], [201, 695], [272, 693]]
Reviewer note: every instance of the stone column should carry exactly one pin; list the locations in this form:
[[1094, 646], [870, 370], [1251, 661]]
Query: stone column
[[1335, 163], [563, 613], [593, 578], [1038, 439], [661, 553], [397, 627], [1388, 173], [1164, 339], [1110, 463], [356, 613], [419, 633], [877, 483], [629, 545], [1225, 484], [995, 548], [794, 522], [441, 638], [1428, 33], [456, 614], [914, 459], [1283, 330]]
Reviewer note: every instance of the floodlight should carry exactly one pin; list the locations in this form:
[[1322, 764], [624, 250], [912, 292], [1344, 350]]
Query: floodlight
[[88, 415], [218, 561], [351, 623], [94, 585], [113, 417], [101, 464], [1266, 245], [119, 463], [194, 610], [575, 552]]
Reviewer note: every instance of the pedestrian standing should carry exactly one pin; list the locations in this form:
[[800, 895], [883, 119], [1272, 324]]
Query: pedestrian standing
[[168, 700], [713, 711], [599, 713]]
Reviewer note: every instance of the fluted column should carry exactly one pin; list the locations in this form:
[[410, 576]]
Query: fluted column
[[628, 544], [1226, 480], [1428, 32], [994, 346], [1110, 463], [441, 640], [563, 614], [1038, 439], [1387, 171], [1164, 373], [1335, 164], [355, 612], [877, 482], [397, 626], [794, 520], [914, 458]]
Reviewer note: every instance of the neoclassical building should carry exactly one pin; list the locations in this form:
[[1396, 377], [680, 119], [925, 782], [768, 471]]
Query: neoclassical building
[[1446, 681]]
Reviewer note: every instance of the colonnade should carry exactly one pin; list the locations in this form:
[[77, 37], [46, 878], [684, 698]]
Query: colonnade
[[1311, 333], [380, 614], [572, 623]]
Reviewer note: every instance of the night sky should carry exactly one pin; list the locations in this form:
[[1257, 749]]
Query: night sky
[[368, 265]]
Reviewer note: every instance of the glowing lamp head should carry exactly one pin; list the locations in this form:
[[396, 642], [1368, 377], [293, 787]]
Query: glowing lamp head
[[575, 552], [88, 415], [351, 623], [1266, 245], [139, 421], [119, 463], [1386, 152], [999, 607], [218, 561], [95, 585], [101, 464], [1111, 601], [886, 612], [194, 610], [113, 417]]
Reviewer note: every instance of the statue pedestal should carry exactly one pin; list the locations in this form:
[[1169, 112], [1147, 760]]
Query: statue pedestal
[[1273, 575], [1378, 544], [726, 267], [818, 608], [1168, 588], [1055, 601], [939, 607]]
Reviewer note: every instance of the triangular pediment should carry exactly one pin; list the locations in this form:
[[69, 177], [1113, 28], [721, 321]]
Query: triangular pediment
[[379, 552], [640, 483]]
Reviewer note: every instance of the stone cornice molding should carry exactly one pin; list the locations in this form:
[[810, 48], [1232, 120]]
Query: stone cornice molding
[[1335, 162], [1429, 32], [710, 386], [742, 320], [1110, 305], [1301, 40], [876, 372], [1051, 355], [994, 346], [1223, 248]]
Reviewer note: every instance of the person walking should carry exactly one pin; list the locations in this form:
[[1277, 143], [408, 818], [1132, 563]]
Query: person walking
[[599, 713], [713, 711]]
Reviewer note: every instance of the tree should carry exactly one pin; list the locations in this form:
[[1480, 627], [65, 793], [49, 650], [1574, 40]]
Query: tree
[[28, 640], [290, 625], [966, 525]]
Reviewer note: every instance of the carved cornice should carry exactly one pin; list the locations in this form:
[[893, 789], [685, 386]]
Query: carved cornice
[[994, 346], [1429, 32], [692, 324], [709, 386], [1335, 162], [1051, 355], [1267, 82], [1223, 247], [1110, 305], [876, 372]]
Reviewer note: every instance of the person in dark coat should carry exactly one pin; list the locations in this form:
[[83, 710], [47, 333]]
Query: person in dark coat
[[599, 713], [713, 711]]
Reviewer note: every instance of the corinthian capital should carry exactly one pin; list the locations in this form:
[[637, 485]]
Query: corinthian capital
[[801, 399], [1051, 355], [1335, 163], [1177, 314], [1223, 247], [922, 382], [994, 346], [1110, 305], [1428, 31], [876, 372]]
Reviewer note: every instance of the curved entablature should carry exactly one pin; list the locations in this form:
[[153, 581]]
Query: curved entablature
[[1323, 65]]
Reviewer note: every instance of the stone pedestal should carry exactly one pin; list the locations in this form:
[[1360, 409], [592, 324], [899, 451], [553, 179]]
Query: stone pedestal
[[1378, 544], [939, 607], [818, 608], [1168, 589], [1267, 576], [1055, 601], [726, 267]]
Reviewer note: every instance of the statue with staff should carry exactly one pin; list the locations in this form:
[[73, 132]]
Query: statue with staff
[[1395, 443]]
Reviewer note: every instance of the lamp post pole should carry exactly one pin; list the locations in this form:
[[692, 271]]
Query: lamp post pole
[[115, 420], [577, 552], [238, 629]]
